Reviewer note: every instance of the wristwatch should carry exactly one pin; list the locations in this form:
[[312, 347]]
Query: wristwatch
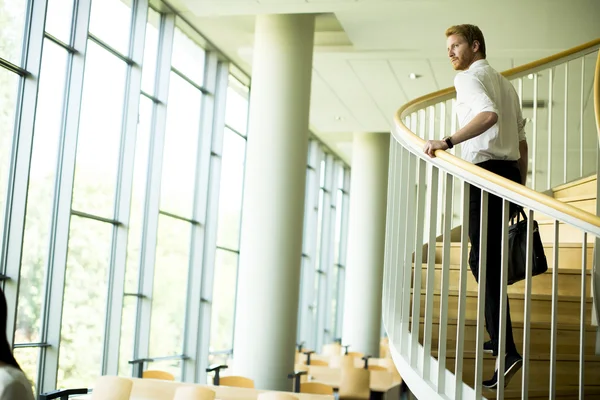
[[448, 142]]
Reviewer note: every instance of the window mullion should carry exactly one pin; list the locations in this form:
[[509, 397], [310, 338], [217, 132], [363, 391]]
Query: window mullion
[[116, 284], [59, 239], [21, 159], [151, 212], [197, 332]]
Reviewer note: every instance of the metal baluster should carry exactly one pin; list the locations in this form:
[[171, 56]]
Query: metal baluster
[[554, 313], [408, 251], [581, 117], [430, 284], [401, 283], [582, 318], [447, 221], [535, 124], [503, 294], [418, 249], [481, 293], [566, 133], [526, 321], [550, 106], [390, 251], [462, 294]]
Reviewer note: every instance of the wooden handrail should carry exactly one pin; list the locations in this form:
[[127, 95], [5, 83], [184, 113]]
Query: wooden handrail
[[441, 95], [597, 95]]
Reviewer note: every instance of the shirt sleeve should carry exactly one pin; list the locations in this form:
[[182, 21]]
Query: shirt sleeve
[[521, 125], [16, 390], [470, 90]]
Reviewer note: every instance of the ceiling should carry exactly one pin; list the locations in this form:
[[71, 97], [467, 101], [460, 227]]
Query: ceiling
[[365, 50]]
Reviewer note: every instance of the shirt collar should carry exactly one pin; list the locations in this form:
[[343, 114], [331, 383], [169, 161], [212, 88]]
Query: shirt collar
[[479, 63]]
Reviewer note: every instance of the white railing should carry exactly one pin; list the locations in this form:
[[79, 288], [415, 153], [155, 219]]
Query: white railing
[[428, 202]]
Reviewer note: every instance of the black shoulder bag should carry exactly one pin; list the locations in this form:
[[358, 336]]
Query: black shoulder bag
[[517, 249]]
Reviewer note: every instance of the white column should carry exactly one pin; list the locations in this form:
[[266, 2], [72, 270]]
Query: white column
[[273, 205], [366, 236]]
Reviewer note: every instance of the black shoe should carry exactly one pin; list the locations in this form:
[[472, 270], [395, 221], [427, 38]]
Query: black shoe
[[488, 347], [512, 364]]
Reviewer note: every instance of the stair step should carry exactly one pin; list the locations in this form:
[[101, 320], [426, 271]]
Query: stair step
[[569, 282], [567, 337], [569, 255], [541, 307], [567, 371], [584, 186], [566, 233]]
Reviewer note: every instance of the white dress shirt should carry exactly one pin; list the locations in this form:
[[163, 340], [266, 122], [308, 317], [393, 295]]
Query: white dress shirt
[[481, 88]]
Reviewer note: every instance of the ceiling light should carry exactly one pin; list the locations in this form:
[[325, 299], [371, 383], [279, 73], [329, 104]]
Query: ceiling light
[[530, 76], [414, 76], [338, 118]]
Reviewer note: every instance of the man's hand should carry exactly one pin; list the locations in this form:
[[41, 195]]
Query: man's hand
[[432, 145]]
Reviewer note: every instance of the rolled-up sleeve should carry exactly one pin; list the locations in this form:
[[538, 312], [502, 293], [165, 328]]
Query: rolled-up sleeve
[[471, 91]]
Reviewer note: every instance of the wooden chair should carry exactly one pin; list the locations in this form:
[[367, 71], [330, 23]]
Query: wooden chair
[[155, 374], [275, 396], [194, 393], [331, 349], [341, 362], [302, 367], [377, 368], [237, 381], [355, 384], [355, 354], [320, 363], [316, 388], [112, 388]]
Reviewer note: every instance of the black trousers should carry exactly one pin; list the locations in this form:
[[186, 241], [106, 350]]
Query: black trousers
[[509, 170]]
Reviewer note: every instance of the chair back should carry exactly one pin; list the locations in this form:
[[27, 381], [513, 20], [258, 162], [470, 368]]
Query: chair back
[[316, 388], [112, 388], [320, 363], [156, 374], [194, 393], [275, 396], [355, 384], [377, 368], [237, 381], [342, 362], [355, 354], [332, 349]]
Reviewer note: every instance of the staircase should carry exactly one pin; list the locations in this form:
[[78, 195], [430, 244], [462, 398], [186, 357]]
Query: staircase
[[581, 194], [433, 307]]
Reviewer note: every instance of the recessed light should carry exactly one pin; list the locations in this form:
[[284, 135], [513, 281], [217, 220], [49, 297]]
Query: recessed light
[[339, 118], [414, 76]]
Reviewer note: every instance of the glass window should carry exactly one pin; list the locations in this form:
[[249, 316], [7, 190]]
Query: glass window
[[59, 16], [110, 21], [9, 84], [181, 147], [28, 359], [138, 194], [150, 52], [82, 337], [236, 110], [223, 303], [40, 199], [127, 335], [170, 287], [12, 22], [230, 197], [99, 133], [188, 57]]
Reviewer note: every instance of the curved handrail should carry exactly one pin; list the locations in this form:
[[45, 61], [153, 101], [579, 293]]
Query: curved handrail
[[492, 182], [597, 94]]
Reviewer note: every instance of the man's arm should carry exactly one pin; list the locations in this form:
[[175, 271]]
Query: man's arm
[[523, 161], [481, 123]]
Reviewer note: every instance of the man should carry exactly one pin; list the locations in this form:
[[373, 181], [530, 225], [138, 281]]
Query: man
[[493, 137]]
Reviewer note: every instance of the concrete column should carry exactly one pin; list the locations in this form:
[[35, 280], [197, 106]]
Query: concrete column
[[366, 236], [273, 205]]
